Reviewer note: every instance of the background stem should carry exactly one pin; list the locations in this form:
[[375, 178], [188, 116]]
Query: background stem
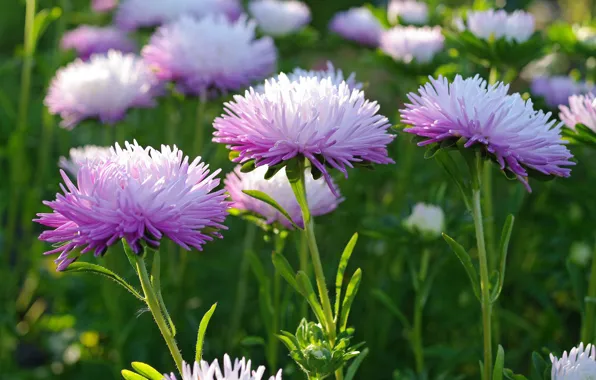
[[590, 317]]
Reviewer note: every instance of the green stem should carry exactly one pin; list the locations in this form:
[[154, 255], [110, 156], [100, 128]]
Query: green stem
[[493, 76], [153, 304], [417, 342], [590, 317], [487, 207], [273, 344], [304, 266]]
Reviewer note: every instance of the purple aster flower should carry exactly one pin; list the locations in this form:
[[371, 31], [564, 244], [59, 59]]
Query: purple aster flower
[[410, 43], [134, 14], [581, 110], [411, 12], [279, 18], [357, 24], [556, 90], [88, 40], [139, 194], [91, 154], [517, 26], [580, 364], [103, 5], [210, 54], [241, 370], [331, 125], [104, 87], [321, 200], [515, 134]]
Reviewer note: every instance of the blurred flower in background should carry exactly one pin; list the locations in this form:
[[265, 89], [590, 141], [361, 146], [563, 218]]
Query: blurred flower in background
[[103, 5], [517, 26], [581, 110], [321, 199], [104, 87], [580, 364], [427, 220], [139, 194], [241, 370], [88, 154], [87, 40], [134, 14], [279, 18], [410, 43], [556, 90], [409, 11], [580, 253], [210, 55], [357, 24]]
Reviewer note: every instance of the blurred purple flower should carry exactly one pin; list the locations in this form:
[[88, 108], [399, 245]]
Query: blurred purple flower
[[556, 90], [411, 43], [104, 87], [411, 12], [320, 198], [139, 194], [581, 110], [210, 54], [517, 26], [517, 136], [279, 18], [331, 125], [357, 24], [241, 370], [103, 5], [88, 40], [91, 154]]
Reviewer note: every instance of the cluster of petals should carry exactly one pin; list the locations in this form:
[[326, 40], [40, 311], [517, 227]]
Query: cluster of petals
[[357, 24], [410, 11], [557, 89], [321, 200], [331, 125], [88, 154], [518, 26], [279, 18], [426, 219], [87, 40], [138, 194], [518, 136], [579, 364], [410, 43], [134, 14], [211, 54], [241, 370], [581, 110], [103, 87]]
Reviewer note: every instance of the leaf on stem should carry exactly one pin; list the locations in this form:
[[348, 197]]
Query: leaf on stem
[[271, 202], [341, 269], [503, 246], [466, 261], [308, 292], [499, 364], [351, 292], [285, 269], [147, 371], [129, 375], [353, 368], [81, 266], [201, 334]]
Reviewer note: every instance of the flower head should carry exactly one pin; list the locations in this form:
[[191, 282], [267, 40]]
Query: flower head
[[331, 125], [556, 90], [103, 5], [138, 194], [320, 198], [428, 220], [581, 110], [357, 24], [410, 43], [87, 154], [88, 40], [517, 26], [410, 11], [104, 87], [241, 370], [517, 136], [212, 53], [279, 18], [133, 14], [580, 364]]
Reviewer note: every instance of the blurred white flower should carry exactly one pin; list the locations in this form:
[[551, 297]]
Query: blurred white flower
[[81, 155], [580, 364], [580, 253], [412, 43], [411, 12], [428, 220], [517, 26], [279, 18]]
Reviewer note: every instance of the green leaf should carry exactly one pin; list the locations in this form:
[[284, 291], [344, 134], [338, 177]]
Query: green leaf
[[156, 283], [351, 292], [391, 306], [42, 20], [503, 246], [252, 341], [341, 269], [271, 202], [499, 364], [308, 292], [353, 368], [80, 267], [466, 261], [273, 170], [248, 166], [202, 330], [288, 340], [539, 367], [431, 151], [147, 371], [285, 269], [129, 375]]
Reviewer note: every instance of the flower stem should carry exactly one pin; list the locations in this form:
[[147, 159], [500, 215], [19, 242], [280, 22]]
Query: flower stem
[[153, 304], [304, 266], [417, 344], [590, 317]]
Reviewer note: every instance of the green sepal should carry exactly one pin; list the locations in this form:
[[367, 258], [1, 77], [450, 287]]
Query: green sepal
[[147, 371]]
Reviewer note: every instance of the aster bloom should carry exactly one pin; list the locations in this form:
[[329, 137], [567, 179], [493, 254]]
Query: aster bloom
[[518, 26], [357, 24], [410, 43], [512, 132], [134, 14], [279, 18], [321, 199], [411, 12], [428, 220], [80, 156], [556, 90], [241, 370], [104, 87], [331, 125], [212, 53], [139, 194], [581, 110], [87, 40], [580, 364], [103, 5]]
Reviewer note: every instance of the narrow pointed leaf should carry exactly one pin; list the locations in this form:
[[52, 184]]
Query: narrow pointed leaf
[[288, 340], [202, 330], [351, 292], [503, 247], [129, 375], [147, 371], [285, 269], [382, 297], [271, 202], [130, 255], [499, 364], [308, 292], [466, 261], [81, 266], [248, 166], [353, 368], [341, 269]]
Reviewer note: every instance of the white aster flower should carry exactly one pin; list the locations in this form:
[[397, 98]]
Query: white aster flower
[[517, 26], [279, 18], [82, 155], [580, 364], [581, 110], [205, 371], [428, 220], [411, 43], [412, 12]]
